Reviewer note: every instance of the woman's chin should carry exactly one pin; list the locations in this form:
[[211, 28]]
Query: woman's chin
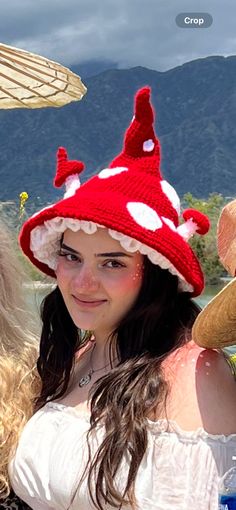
[[85, 325]]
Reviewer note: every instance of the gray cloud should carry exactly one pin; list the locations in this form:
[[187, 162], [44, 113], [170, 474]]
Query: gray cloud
[[130, 32]]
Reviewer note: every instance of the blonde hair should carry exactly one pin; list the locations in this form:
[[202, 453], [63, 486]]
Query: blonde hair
[[19, 382]]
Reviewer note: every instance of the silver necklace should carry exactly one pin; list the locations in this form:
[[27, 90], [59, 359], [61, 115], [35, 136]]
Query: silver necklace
[[87, 378]]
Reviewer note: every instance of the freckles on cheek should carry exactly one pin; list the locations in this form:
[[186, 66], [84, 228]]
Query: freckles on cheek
[[137, 273], [134, 279]]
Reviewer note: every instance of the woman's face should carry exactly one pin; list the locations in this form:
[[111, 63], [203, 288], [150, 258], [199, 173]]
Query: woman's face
[[98, 279]]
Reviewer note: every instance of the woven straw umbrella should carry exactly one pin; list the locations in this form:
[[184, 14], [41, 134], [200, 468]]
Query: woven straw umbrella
[[28, 80]]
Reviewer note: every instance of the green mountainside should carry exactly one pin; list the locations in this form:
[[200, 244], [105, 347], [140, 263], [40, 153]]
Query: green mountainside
[[195, 120]]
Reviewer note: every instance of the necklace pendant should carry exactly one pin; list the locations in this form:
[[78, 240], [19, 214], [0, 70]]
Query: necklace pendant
[[85, 380]]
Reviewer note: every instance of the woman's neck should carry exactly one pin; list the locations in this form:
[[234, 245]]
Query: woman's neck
[[103, 354]]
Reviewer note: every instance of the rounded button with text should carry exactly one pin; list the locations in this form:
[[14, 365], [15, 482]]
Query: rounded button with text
[[194, 20]]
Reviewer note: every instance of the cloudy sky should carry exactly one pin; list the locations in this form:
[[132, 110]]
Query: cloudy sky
[[126, 32]]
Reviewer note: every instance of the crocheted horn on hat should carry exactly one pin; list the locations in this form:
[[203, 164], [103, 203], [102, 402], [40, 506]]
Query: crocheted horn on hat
[[130, 199], [67, 172], [140, 140]]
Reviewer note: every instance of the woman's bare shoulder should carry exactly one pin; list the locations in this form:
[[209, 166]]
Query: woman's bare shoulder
[[216, 391], [208, 388]]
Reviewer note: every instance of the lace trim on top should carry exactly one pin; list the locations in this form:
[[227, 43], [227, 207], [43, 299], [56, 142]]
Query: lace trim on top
[[161, 426]]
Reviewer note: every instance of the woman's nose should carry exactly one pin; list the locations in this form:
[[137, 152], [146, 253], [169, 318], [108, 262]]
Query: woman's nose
[[86, 280]]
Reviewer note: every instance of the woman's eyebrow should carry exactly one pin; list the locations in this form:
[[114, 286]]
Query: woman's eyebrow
[[68, 248], [109, 254], [113, 254]]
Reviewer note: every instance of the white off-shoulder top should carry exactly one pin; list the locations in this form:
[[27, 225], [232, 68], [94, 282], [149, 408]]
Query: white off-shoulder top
[[179, 471]]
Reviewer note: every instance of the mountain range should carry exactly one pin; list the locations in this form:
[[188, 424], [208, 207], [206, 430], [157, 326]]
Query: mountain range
[[195, 107]]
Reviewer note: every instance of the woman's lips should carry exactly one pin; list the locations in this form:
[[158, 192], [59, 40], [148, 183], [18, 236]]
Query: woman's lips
[[89, 303]]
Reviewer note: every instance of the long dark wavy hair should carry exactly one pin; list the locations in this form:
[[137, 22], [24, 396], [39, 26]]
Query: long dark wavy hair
[[159, 322]]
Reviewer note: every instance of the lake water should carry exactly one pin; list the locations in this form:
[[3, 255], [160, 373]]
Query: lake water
[[39, 290], [210, 292]]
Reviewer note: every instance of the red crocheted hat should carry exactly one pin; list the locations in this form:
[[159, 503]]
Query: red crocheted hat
[[130, 199]]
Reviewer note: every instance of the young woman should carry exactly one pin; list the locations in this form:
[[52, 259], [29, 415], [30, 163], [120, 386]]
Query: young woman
[[18, 353], [132, 414]]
